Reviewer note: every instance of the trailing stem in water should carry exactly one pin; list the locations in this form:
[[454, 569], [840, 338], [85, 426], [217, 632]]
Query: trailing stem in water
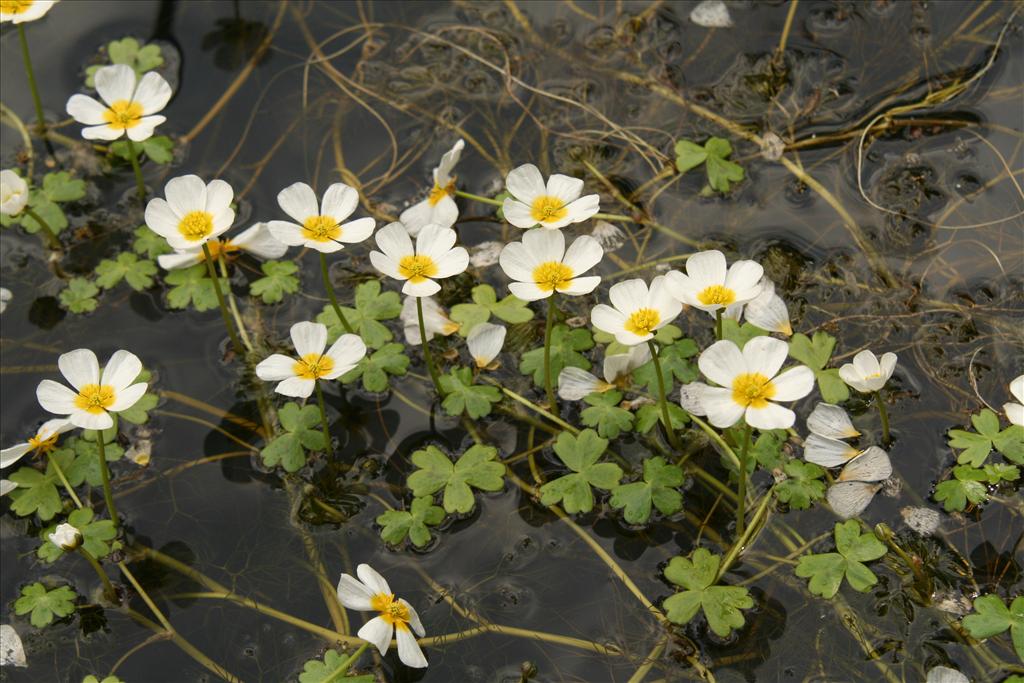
[[40, 121], [323, 417], [208, 258], [741, 492], [330, 295], [666, 418], [49, 236], [884, 415], [108, 495], [548, 384], [133, 156], [428, 358], [64, 480], [108, 589]]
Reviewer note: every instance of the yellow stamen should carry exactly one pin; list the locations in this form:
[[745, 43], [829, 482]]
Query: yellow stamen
[[716, 294], [417, 268], [391, 610], [313, 366], [551, 276], [218, 248], [95, 398], [123, 114], [548, 209], [196, 225], [752, 389], [15, 6], [437, 193], [41, 445], [321, 229], [643, 321]]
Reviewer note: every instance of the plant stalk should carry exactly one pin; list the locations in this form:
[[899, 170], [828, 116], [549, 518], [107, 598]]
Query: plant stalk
[[478, 198], [666, 418], [718, 323], [330, 295], [235, 343], [133, 156], [27, 60], [741, 492], [428, 357], [323, 417], [548, 384], [49, 236], [108, 589], [108, 494], [64, 480], [884, 415]]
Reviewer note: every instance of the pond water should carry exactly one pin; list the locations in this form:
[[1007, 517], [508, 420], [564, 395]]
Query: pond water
[[371, 94]]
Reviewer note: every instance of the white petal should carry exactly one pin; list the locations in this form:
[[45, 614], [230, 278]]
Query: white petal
[[185, 194], [161, 218], [373, 580], [296, 387], [618, 365], [527, 291], [298, 201], [443, 173], [566, 188], [346, 352], [153, 93], [386, 265], [12, 652], [85, 109], [871, 465], [831, 421], [418, 215], [517, 262], [87, 420], [660, 298], [711, 14], [765, 355], [793, 384], [56, 398], [103, 132], [691, 398], [6, 486], [485, 341], [943, 674], [721, 362], [409, 650], [517, 213], [581, 285], [219, 196], [115, 82], [414, 618], [339, 202], [769, 313], [606, 318], [127, 397], [79, 367], [452, 263], [745, 276], [771, 416], [259, 241], [435, 241], [288, 234], [581, 209], [180, 259], [308, 337], [576, 383], [356, 231], [425, 288], [721, 410], [525, 183], [394, 242], [827, 452], [629, 295], [887, 365], [378, 632], [353, 594], [867, 364], [849, 498], [583, 254], [1014, 413], [9, 456], [121, 370], [145, 128], [706, 268], [275, 368], [1017, 388]]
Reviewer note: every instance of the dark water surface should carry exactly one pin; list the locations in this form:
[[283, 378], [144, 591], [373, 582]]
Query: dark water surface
[[589, 87]]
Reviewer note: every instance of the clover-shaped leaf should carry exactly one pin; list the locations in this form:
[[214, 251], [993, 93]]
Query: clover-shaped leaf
[[740, 334], [605, 414], [79, 296], [649, 415], [45, 605], [398, 524], [674, 366], [60, 186], [278, 279], [803, 484], [374, 368], [461, 395], [715, 156], [566, 345], [371, 306], [721, 604], [85, 467], [991, 617], [96, 535], [332, 669], [658, 489], [815, 352], [967, 485], [302, 432], [475, 468], [191, 287], [580, 454], [159, 149], [138, 273], [978, 444], [149, 244], [511, 309], [853, 549]]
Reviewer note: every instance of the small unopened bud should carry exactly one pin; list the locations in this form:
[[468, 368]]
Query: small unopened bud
[[528, 670], [883, 532], [66, 537]]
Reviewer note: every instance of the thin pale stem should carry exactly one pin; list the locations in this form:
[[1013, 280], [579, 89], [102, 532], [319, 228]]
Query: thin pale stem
[[718, 324], [323, 417], [331, 296], [478, 198], [108, 588], [338, 674], [208, 258], [548, 384], [223, 266], [884, 415], [49, 236], [108, 494], [27, 59], [741, 492], [428, 358], [133, 156], [64, 480], [666, 418]]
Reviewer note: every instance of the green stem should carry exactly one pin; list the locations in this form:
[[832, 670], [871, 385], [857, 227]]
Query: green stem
[[741, 493], [108, 589], [884, 415], [49, 236], [613, 217], [40, 121], [718, 323], [673, 438], [220, 300], [133, 156], [108, 494], [428, 358], [323, 417], [64, 480], [478, 198], [343, 669], [330, 295], [548, 384]]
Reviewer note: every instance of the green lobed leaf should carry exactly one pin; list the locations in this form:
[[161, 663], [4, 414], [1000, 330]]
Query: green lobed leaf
[[278, 279], [45, 605], [674, 366], [475, 468], [580, 454], [191, 287], [49, 211], [138, 273], [60, 186], [658, 489], [813, 352], [1010, 442], [967, 485], [374, 368], [462, 396], [328, 670], [650, 414], [397, 525], [371, 306], [79, 296], [511, 309], [740, 334], [302, 432], [826, 570], [992, 617], [605, 414], [149, 244], [566, 345], [803, 484], [721, 604]]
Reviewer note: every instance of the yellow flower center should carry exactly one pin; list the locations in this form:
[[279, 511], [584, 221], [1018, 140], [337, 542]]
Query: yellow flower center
[[123, 114], [196, 225], [15, 6], [417, 268], [716, 294], [548, 209], [552, 276], [643, 321], [391, 610], [218, 248], [41, 445], [752, 389], [438, 193], [313, 366], [95, 398], [321, 229]]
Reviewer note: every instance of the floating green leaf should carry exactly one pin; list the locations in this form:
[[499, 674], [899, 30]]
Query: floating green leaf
[[826, 570], [79, 296], [715, 154], [978, 444], [139, 413], [605, 414], [398, 524], [658, 488], [802, 486], [191, 287], [128, 51], [461, 395], [566, 345], [60, 186], [475, 468], [650, 414], [159, 149], [511, 309], [967, 485], [374, 368], [331, 669], [674, 366], [149, 244], [740, 334], [85, 467], [721, 604], [302, 432], [991, 617], [580, 454], [278, 279], [45, 605], [815, 353], [371, 306], [138, 273]]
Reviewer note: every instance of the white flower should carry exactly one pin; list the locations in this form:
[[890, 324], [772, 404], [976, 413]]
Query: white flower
[[709, 286], [6, 486], [320, 227], [20, 11], [396, 616], [439, 207], [13, 193], [868, 374], [829, 424], [541, 266], [749, 381], [255, 240], [636, 312], [5, 298], [12, 652], [576, 383], [128, 108], [193, 213], [297, 377], [1015, 411], [433, 258], [485, 341], [95, 396], [66, 537], [435, 320], [768, 311], [554, 205], [943, 674], [43, 442]]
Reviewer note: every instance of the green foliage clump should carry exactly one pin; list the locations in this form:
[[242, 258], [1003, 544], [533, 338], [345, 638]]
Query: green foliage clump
[[698, 577], [853, 549], [45, 605], [476, 468], [580, 454], [302, 433]]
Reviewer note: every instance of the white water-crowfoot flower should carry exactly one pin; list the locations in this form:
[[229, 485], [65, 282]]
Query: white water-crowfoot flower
[[435, 320], [22, 11], [485, 341], [297, 377], [553, 205], [193, 213], [129, 107], [749, 381], [44, 441], [434, 257], [439, 207], [541, 265], [1015, 411], [867, 373], [396, 617], [320, 227], [13, 193], [255, 240], [636, 312], [66, 537], [575, 383], [94, 396], [710, 286]]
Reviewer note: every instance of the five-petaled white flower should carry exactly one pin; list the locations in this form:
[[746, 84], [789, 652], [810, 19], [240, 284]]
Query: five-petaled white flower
[[1015, 411], [435, 320], [439, 207], [485, 341], [434, 257], [21, 11], [297, 377], [541, 265], [576, 383], [255, 240], [636, 311], [44, 441], [128, 108], [396, 617], [554, 205], [13, 193], [66, 537], [710, 286], [193, 213], [89, 405], [867, 373], [320, 227], [749, 381]]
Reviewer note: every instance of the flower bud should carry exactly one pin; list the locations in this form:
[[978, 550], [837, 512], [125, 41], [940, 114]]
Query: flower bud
[[66, 537]]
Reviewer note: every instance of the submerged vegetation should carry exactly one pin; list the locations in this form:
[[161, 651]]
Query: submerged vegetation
[[504, 311]]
